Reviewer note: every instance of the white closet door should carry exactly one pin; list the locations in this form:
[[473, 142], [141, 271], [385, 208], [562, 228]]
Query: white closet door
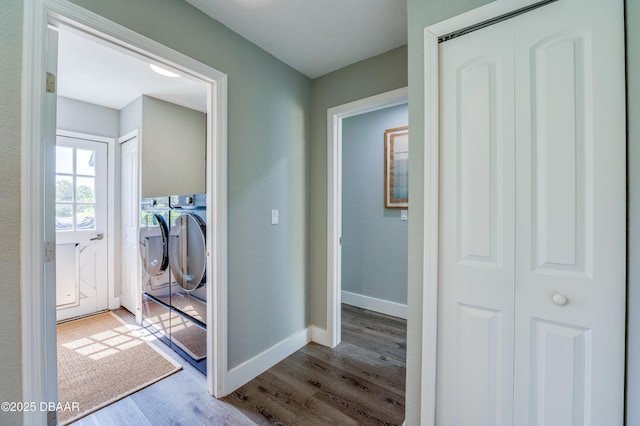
[[476, 236], [130, 219], [532, 220], [570, 203]]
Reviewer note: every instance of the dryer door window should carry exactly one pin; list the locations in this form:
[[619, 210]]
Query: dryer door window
[[187, 251], [153, 245]]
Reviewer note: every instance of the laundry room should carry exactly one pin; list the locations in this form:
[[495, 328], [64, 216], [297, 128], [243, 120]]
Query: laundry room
[[131, 213]]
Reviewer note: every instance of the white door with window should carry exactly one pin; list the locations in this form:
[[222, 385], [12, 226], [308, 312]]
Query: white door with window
[[531, 316], [81, 226]]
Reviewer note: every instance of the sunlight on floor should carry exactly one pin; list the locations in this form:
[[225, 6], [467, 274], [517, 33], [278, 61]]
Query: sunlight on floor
[[107, 343]]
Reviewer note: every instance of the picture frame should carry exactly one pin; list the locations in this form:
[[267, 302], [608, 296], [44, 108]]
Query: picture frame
[[396, 168]]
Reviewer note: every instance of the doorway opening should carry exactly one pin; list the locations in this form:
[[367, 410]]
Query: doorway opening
[[335, 125], [38, 177]]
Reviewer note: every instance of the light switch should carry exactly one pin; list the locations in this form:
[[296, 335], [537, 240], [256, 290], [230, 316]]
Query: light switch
[[275, 217], [404, 215]]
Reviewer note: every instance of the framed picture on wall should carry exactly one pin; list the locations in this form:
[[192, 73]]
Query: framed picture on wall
[[396, 168]]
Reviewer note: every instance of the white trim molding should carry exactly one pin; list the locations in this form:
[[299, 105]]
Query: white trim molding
[[38, 324], [335, 116], [429, 308], [387, 307], [260, 363]]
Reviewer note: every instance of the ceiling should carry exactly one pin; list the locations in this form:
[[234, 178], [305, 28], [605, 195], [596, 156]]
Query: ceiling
[[93, 72], [314, 37]]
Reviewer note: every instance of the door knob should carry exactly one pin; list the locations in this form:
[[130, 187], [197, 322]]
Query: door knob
[[97, 237], [559, 299]]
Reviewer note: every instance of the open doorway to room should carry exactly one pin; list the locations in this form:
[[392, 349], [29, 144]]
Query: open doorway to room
[[367, 240], [76, 206], [106, 95], [365, 121]]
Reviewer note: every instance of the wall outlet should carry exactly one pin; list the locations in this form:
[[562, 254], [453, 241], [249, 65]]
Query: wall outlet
[[404, 215], [275, 217]]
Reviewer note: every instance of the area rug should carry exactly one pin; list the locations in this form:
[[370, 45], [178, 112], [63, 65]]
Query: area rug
[[101, 360]]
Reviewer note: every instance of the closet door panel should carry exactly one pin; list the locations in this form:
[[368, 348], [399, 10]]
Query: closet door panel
[[570, 214], [476, 295]]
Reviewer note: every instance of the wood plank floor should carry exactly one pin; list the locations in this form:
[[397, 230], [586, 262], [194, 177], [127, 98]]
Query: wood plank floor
[[360, 382]]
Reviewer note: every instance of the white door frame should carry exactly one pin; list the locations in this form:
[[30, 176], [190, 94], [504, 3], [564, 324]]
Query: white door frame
[[431, 137], [36, 320], [335, 116]]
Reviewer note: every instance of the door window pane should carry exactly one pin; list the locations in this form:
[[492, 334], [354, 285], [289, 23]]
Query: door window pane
[[85, 216], [85, 190], [64, 188], [64, 217], [85, 162], [64, 160]]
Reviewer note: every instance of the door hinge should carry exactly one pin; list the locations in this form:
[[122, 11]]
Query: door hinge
[[340, 240], [51, 83], [49, 251]]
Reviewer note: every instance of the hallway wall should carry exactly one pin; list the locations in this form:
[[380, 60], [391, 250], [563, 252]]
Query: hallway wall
[[370, 77], [10, 145]]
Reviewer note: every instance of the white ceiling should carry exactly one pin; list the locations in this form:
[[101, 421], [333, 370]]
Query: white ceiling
[[96, 73], [315, 36]]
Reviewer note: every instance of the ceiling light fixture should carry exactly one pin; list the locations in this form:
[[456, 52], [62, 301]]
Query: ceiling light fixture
[[163, 71]]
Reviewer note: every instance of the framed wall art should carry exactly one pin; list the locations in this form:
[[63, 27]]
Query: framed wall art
[[396, 168]]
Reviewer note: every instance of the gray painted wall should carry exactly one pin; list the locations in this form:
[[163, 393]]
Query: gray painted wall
[[10, 134], [633, 221], [370, 77], [268, 163], [374, 239], [174, 138], [131, 117], [82, 117]]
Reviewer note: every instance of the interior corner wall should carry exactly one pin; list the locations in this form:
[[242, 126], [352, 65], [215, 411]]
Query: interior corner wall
[[374, 239], [10, 145], [633, 212], [83, 117], [267, 162], [421, 13], [372, 76]]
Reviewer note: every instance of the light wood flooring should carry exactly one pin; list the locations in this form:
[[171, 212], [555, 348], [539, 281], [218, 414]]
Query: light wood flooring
[[360, 382]]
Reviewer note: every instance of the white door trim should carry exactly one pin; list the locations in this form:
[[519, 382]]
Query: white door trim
[[113, 301], [36, 325], [335, 116], [431, 130]]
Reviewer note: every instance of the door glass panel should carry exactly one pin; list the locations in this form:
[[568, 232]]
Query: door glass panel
[[86, 162], [64, 188], [64, 217], [64, 160], [85, 190], [85, 217]]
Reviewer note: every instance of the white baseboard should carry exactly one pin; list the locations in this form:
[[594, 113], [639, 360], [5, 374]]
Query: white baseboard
[[260, 363], [383, 306]]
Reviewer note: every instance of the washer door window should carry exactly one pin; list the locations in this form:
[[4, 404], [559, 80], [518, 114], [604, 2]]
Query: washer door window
[[153, 245], [187, 251]]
